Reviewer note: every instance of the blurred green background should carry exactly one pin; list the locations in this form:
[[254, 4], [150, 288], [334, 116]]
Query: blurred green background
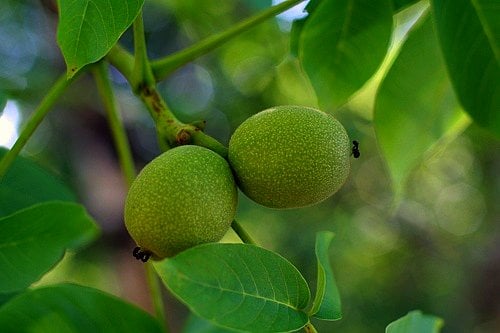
[[438, 250]]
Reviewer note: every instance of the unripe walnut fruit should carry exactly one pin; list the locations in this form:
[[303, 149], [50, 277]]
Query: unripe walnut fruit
[[184, 197], [290, 156]]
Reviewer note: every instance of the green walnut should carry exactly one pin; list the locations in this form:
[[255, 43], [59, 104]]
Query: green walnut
[[290, 156], [184, 197]]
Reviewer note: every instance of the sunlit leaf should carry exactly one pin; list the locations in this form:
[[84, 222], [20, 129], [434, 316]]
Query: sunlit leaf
[[326, 303], [415, 322], [88, 29], [34, 239], [26, 184], [342, 44], [415, 104], [469, 33], [238, 286], [73, 308]]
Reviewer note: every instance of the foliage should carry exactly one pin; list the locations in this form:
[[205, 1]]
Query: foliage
[[475, 82], [87, 30], [260, 289], [415, 321], [427, 70], [358, 36], [72, 308], [431, 113]]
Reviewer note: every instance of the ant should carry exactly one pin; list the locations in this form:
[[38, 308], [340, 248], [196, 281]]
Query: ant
[[355, 149], [141, 255]]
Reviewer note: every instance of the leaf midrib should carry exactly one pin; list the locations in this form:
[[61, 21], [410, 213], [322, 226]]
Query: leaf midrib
[[478, 8], [245, 294], [80, 28]]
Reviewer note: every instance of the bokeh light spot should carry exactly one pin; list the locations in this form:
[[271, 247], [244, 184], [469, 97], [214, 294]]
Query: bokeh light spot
[[9, 124], [460, 209]]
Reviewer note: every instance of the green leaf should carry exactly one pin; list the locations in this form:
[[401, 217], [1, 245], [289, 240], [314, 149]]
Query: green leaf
[[399, 5], [238, 286], [34, 239], [312, 5], [88, 29], [26, 184], [468, 34], [342, 44], [415, 322], [258, 4], [196, 324], [415, 105], [295, 33], [326, 303], [73, 308], [488, 12], [5, 297], [297, 26]]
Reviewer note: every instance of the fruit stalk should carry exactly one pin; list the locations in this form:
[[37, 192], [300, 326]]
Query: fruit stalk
[[242, 234], [172, 132]]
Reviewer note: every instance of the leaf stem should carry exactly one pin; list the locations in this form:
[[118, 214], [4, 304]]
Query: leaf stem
[[242, 233], [163, 67], [142, 74], [34, 120], [155, 291], [101, 76]]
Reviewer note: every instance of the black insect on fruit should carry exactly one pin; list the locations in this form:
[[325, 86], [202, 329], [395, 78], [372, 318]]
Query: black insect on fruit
[[355, 149], [141, 255]]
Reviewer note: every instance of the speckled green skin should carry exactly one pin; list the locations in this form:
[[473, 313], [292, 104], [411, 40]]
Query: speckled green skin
[[184, 197], [290, 156]]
